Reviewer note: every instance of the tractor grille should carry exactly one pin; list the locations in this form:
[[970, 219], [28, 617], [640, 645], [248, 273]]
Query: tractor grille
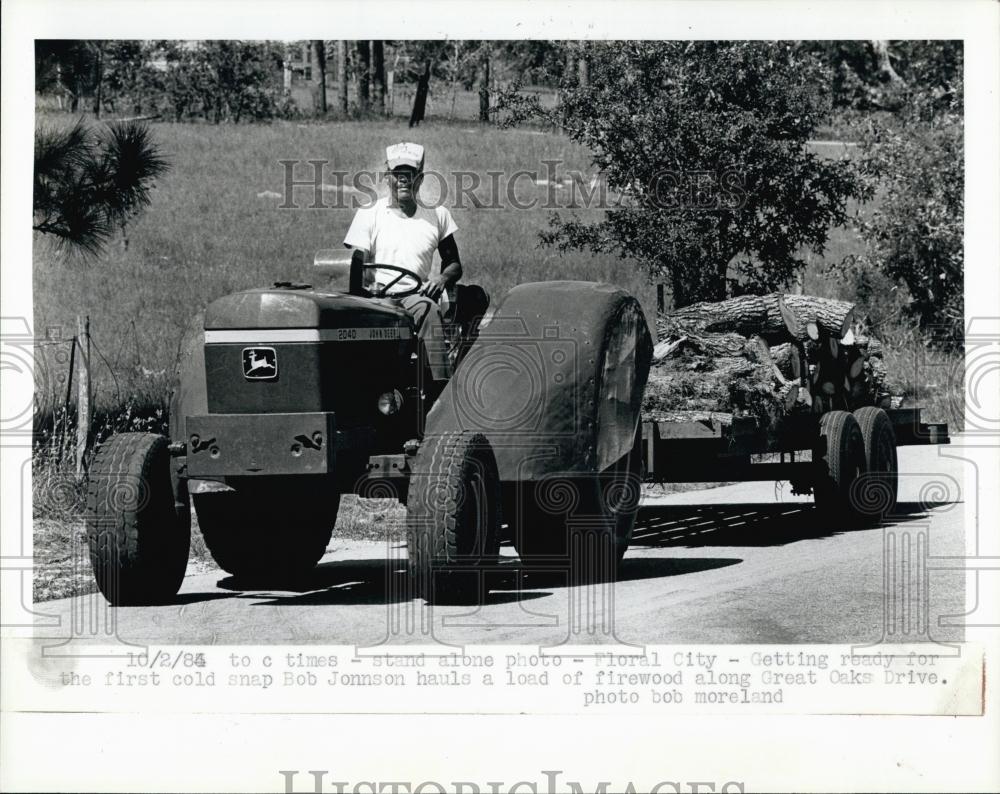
[[254, 377]]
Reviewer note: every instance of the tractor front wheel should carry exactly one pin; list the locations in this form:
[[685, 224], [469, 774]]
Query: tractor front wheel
[[137, 535], [453, 517], [266, 535]]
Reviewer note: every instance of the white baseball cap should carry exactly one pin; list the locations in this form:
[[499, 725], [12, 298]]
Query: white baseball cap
[[411, 154]]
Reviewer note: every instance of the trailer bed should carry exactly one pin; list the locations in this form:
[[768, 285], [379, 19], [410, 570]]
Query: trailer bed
[[714, 446]]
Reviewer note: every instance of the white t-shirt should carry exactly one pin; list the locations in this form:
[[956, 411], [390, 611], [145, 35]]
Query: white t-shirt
[[392, 238]]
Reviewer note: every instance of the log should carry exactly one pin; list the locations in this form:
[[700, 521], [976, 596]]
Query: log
[[786, 358], [869, 346], [812, 349], [860, 394], [715, 417], [788, 395], [758, 350], [663, 349], [832, 316], [713, 344], [765, 315], [763, 356], [793, 323]]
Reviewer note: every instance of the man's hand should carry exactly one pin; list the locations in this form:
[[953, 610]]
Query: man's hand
[[434, 286]]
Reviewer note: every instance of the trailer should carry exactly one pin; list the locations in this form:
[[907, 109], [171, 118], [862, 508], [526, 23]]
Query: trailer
[[847, 460]]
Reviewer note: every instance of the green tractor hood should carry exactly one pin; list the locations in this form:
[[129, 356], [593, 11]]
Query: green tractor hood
[[281, 307]]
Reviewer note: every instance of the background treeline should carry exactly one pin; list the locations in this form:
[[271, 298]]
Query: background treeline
[[241, 81]]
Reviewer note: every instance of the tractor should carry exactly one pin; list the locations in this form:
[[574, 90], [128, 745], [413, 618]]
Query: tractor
[[288, 397]]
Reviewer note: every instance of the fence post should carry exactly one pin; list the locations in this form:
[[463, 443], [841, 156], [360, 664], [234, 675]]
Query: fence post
[[83, 394]]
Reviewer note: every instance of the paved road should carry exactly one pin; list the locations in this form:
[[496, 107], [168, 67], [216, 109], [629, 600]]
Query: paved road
[[738, 564]]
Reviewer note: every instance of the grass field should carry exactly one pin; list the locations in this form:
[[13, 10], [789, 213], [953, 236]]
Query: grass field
[[215, 226]]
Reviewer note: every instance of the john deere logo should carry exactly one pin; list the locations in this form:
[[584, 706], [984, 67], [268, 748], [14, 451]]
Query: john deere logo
[[260, 363]]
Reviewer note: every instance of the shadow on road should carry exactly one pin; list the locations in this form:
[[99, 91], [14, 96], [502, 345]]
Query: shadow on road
[[759, 524], [383, 581], [380, 582], [632, 569]]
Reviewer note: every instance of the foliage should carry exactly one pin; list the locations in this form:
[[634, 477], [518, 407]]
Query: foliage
[[706, 144], [89, 181], [915, 238], [222, 80], [215, 80], [886, 75]]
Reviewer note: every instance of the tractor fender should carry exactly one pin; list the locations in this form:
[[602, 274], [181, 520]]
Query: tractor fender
[[190, 393], [554, 380]]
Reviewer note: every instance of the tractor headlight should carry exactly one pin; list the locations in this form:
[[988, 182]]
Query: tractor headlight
[[390, 402]]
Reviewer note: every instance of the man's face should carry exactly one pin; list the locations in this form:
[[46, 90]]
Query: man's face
[[404, 182]]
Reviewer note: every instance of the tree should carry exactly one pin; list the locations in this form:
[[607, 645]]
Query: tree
[[363, 72], [342, 76], [90, 181], [915, 237], [484, 82], [883, 75], [378, 76], [420, 98], [425, 57], [223, 80], [319, 75], [705, 145]]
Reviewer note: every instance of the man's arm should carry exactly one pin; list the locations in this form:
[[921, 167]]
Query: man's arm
[[451, 269]]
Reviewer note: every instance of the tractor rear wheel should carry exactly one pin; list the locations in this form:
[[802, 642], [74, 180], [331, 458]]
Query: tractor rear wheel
[[839, 460], [138, 537], [266, 535], [453, 517], [581, 523], [876, 496]]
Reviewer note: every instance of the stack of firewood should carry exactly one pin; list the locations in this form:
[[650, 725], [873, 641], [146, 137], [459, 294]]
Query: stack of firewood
[[766, 356]]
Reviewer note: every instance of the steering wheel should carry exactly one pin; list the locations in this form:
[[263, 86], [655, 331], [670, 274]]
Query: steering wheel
[[382, 291]]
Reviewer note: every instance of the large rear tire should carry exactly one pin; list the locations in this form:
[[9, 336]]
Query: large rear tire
[[839, 460], [453, 517], [580, 523], [267, 535], [876, 493], [138, 537]]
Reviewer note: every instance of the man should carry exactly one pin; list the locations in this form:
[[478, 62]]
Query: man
[[398, 231]]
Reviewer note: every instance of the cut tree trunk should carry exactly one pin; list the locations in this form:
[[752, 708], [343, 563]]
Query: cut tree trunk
[[788, 358], [764, 315], [833, 316], [713, 417], [713, 344], [767, 357]]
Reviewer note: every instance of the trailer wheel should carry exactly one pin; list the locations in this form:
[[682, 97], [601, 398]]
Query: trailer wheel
[[839, 459], [580, 523], [453, 517], [138, 539], [266, 535], [876, 493]]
